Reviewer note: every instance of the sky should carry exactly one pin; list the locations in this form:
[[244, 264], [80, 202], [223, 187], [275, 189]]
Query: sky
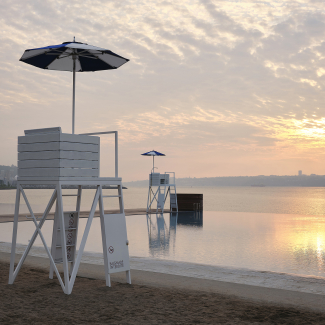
[[223, 88]]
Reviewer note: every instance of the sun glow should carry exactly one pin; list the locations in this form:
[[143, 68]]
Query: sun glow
[[307, 244]]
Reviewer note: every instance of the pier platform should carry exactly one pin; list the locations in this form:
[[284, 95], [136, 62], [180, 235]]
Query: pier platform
[[83, 214]]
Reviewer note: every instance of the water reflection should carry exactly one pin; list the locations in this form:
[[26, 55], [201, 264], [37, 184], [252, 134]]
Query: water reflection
[[268, 242], [161, 234], [190, 218], [305, 240], [162, 230]]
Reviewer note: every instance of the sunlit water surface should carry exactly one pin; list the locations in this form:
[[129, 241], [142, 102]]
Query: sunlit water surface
[[257, 241]]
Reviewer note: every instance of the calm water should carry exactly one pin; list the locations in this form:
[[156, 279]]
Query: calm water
[[267, 229], [280, 200], [266, 242]]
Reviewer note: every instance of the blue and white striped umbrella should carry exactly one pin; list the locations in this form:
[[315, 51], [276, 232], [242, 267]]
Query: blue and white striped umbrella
[[75, 57], [153, 153]]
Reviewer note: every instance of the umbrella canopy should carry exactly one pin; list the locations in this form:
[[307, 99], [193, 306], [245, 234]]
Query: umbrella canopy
[[75, 57], [153, 153]]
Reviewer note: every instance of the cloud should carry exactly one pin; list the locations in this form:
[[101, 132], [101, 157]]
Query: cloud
[[203, 75]]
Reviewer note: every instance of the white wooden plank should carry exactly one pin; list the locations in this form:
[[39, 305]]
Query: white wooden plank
[[48, 146], [53, 146], [56, 172], [79, 155], [38, 155], [79, 138], [45, 130], [75, 138], [79, 147], [81, 172], [74, 155], [52, 163], [57, 163], [67, 163], [85, 181], [39, 138]]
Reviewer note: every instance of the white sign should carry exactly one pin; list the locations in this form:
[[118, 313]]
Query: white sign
[[117, 250]]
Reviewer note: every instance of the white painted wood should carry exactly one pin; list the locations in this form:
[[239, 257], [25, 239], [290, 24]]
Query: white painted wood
[[116, 146], [116, 243], [58, 172], [79, 138], [38, 230], [121, 200], [87, 147], [54, 237], [75, 155], [54, 137], [58, 163], [48, 157], [78, 205], [54, 146], [87, 181], [154, 179], [101, 210], [63, 239], [161, 201], [161, 183], [14, 238], [39, 138], [83, 241], [128, 277], [42, 131]]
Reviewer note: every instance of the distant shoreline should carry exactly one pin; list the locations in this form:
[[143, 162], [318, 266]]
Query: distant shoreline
[[267, 181]]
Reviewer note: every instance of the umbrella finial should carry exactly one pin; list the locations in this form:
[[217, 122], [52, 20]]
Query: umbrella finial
[[74, 39]]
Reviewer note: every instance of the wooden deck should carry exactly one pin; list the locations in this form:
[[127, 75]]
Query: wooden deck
[[83, 214]]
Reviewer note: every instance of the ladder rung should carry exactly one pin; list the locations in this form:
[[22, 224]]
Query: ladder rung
[[30, 217], [61, 261], [70, 195], [66, 245], [111, 195], [67, 229]]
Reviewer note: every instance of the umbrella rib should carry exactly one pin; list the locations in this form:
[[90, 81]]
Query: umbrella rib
[[79, 64], [89, 57], [39, 54], [55, 58]]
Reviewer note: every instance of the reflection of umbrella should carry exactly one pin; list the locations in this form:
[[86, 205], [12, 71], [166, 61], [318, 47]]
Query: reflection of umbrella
[[73, 56], [153, 153]]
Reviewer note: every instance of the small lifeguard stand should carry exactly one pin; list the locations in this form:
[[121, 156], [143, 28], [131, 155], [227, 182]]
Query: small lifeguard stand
[[48, 158], [160, 186]]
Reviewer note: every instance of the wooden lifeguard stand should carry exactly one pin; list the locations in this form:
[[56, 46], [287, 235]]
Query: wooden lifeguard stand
[[160, 186], [53, 159]]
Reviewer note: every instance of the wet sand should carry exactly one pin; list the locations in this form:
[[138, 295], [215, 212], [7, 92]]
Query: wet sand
[[153, 298]]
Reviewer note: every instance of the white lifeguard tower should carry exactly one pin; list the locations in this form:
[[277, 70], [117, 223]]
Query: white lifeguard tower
[[160, 186], [52, 159]]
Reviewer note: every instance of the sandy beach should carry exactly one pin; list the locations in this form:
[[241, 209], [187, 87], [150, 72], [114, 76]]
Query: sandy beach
[[153, 298]]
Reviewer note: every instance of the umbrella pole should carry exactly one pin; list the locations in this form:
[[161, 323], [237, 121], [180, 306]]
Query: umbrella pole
[[73, 93], [153, 162]]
